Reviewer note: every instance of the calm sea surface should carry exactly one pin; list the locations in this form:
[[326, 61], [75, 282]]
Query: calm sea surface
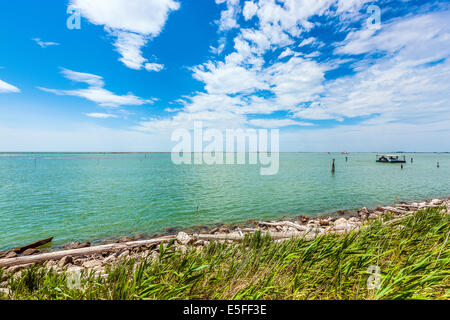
[[96, 196]]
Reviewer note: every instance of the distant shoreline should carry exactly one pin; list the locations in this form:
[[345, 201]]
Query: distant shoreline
[[169, 152]]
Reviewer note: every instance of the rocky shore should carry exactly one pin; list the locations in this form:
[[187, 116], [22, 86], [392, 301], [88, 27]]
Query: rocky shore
[[76, 257]]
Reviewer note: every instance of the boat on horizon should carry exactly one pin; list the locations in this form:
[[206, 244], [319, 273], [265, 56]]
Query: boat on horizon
[[391, 158]]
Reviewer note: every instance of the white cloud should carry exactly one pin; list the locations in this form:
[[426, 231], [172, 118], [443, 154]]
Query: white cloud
[[101, 115], [228, 78], [370, 137], [91, 79], [132, 23], [402, 34], [129, 45], [45, 44], [233, 86], [154, 67], [407, 84], [250, 9], [293, 15], [286, 53], [277, 123], [95, 92], [307, 41], [7, 88], [221, 45], [403, 86], [228, 16]]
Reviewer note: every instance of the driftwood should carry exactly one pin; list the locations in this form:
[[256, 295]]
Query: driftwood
[[387, 223], [395, 210], [286, 224], [80, 252], [236, 237], [33, 245]]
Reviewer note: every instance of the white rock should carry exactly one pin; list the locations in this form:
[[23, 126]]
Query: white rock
[[436, 201], [64, 261], [74, 269], [109, 259], [4, 291], [183, 238], [124, 254], [99, 269], [91, 264], [340, 221], [199, 243], [51, 263], [340, 227]]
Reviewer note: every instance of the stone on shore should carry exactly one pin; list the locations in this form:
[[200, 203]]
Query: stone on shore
[[91, 264], [74, 269], [343, 225], [123, 254], [436, 202], [76, 245], [30, 252], [15, 269], [10, 255], [340, 221], [109, 259], [183, 238], [5, 291], [65, 261]]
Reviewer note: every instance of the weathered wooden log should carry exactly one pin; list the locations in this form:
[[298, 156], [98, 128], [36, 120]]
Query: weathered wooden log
[[236, 237], [33, 245], [395, 210], [81, 252], [284, 224], [397, 219]]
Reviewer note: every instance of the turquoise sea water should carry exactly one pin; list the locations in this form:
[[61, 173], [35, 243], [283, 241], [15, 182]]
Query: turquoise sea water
[[96, 196]]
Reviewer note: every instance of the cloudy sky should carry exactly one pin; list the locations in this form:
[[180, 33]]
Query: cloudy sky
[[324, 72]]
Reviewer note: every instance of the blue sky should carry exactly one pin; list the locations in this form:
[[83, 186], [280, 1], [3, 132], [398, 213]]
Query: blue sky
[[137, 70]]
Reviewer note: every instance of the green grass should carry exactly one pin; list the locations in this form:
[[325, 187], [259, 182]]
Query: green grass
[[413, 256]]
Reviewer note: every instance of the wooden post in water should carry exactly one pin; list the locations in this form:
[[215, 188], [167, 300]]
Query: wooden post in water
[[438, 164], [346, 159], [333, 167], [401, 166], [411, 160]]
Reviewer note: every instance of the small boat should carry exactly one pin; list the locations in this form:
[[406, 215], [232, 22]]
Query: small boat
[[391, 158]]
